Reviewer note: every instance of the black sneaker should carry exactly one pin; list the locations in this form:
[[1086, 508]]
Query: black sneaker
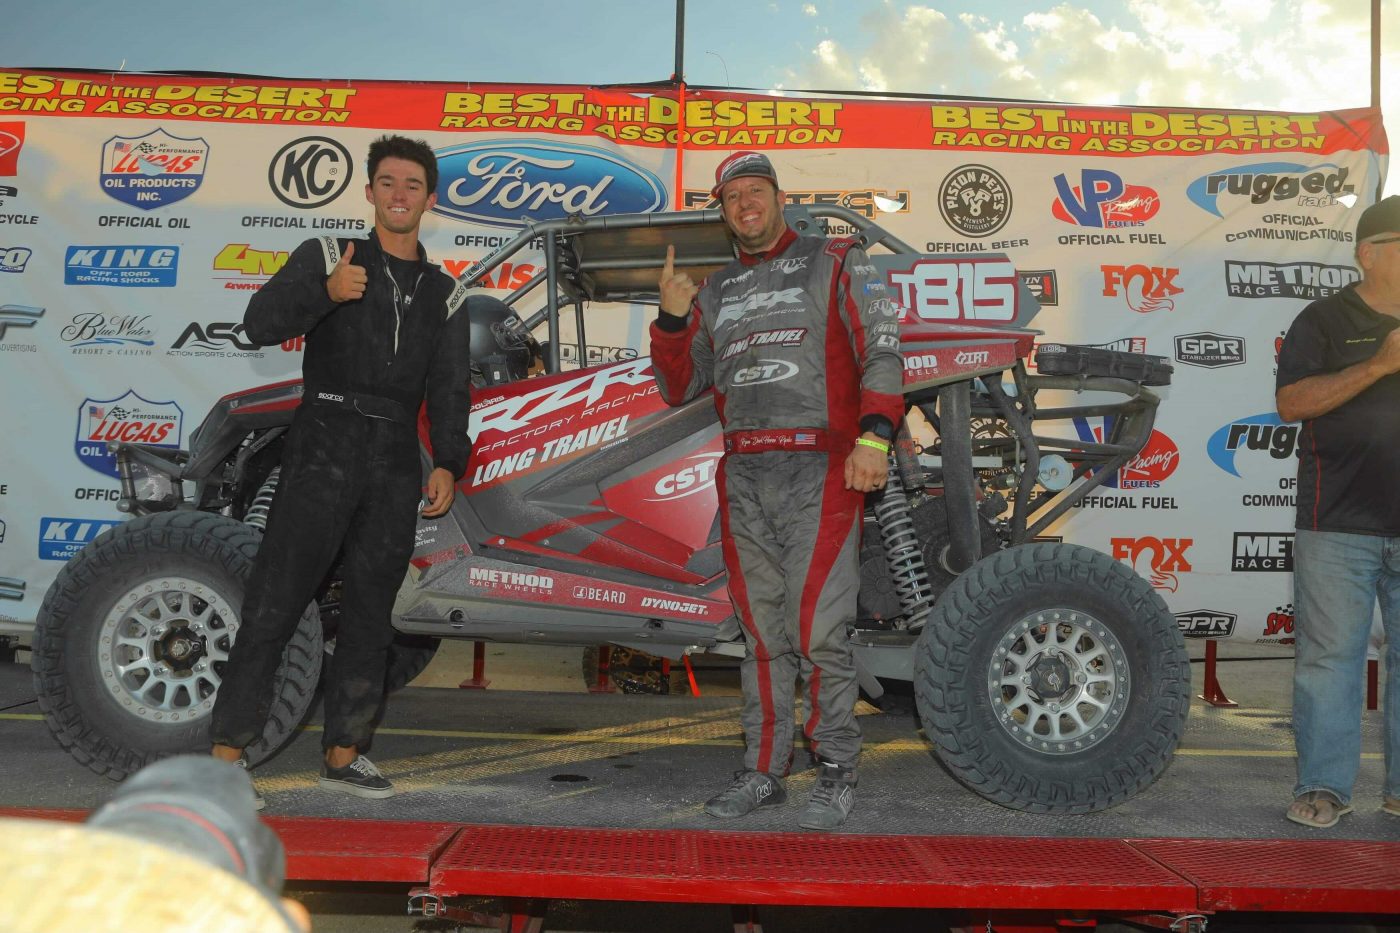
[[833, 798], [750, 790], [359, 778], [258, 801]]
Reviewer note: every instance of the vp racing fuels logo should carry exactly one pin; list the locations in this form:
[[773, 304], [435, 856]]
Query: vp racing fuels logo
[[1102, 199], [129, 418], [122, 266], [505, 183], [153, 170], [1157, 460], [310, 172], [1265, 182], [974, 200]]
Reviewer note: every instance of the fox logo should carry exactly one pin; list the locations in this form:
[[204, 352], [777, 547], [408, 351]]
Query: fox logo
[[1166, 555]]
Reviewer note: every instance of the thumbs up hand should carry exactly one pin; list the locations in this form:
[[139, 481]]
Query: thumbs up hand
[[346, 281]]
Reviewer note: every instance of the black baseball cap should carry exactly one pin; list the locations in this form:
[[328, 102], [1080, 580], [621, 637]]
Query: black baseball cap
[[1380, 218], [743, 165]]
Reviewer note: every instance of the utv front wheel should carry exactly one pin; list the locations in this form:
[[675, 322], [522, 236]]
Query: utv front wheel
[[132, 638], [1052, 679]]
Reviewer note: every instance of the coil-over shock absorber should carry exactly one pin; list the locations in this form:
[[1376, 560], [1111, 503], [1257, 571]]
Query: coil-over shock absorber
[[903, 552], [262, 502]]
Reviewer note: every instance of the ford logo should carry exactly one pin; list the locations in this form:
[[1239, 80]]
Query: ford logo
[[507, 183]]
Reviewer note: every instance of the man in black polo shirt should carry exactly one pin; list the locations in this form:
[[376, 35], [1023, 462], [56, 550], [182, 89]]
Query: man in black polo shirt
[[1337, 373]]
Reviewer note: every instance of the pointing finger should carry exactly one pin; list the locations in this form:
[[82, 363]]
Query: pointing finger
[[669, 269]]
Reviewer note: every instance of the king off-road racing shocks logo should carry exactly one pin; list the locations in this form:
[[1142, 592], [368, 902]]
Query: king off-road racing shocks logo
[[506, 183], [122, 266], [1308, 186], [153, 170], [1262, 433], [1103, 199], [129, 418]]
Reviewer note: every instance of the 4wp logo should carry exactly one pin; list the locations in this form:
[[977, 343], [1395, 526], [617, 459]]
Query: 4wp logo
[[1146, 288], [1166, 557], [250, 267]]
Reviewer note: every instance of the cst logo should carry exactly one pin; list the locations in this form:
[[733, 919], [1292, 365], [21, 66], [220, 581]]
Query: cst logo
[[1102, 199], [1257, 551], [1209, 350], [310, 172], [765, 372], [689, 481], [1165, 557], [1146, 288], [1206, 623], [1266, 433]]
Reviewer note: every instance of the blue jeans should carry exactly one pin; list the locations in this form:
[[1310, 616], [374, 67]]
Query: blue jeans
[[1337, 579]]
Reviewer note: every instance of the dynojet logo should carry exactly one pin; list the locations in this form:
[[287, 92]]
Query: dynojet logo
[[505, 183]]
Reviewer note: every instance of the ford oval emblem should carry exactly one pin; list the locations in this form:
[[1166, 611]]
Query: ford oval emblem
[[508, 182]]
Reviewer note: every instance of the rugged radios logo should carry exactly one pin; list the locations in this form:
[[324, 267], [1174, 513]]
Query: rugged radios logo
[[1271, 182]]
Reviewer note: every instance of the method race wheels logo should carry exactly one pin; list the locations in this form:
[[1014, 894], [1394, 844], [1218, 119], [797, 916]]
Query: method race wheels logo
[[974, 200], [1102, 199], [1257, 551], [506, 183], [129, 418], [11, 142], [153, 170], [310, 172]]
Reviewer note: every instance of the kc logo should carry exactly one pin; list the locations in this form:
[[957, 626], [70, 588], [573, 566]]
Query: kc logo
[[1167, 555], [1157, 284]]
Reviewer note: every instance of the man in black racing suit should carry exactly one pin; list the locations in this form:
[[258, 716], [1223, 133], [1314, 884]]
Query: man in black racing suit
[[382, 333], [801, 345]]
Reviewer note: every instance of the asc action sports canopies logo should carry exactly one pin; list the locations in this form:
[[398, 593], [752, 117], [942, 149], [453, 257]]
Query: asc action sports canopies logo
[[153, 170], [129, 418], [507, 183]]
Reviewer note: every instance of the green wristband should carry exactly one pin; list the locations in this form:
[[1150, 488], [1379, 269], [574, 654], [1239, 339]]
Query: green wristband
[[881, 446]]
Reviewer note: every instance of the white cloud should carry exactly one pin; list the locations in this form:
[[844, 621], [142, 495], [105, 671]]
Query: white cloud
[[809, 9]]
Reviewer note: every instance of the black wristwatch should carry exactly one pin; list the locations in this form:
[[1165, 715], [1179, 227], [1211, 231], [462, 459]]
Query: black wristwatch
[[878, 425]]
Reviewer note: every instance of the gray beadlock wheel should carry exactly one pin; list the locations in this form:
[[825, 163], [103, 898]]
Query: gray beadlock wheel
[[132, 637], [1052, 679]]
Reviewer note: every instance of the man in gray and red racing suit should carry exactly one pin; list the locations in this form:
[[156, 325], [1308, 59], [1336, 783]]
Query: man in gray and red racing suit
[[801, 345]]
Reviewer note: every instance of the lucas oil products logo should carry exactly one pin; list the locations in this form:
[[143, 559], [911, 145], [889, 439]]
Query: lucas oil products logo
[[1306, 280], [1103, 199], [506, 183], [14, 258], [153, 170], [1270, 183], [128, 418], [11, 142], [121, 266], [1146, 288], [61, 538], [1264, 433], [974, 200], [310, 172]]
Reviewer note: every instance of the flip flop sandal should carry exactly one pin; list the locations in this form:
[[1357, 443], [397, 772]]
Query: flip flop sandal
[[1312, 799]]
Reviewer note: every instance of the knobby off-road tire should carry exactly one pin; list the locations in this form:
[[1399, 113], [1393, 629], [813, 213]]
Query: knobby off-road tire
[[408, 656], [131, 640], [1052, 679]]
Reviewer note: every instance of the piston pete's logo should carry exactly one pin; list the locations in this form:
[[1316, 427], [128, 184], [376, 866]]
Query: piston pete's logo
[[1308, 281], [154, 170], [1166, 557], [128, 418], [14, 258], [122, 266], [1206, 623], [1146, 288], [310, 172], [61, 538], [974, 200], [1103, 199], [1265, 432], [506, 183], [1209, 350], [1265, 182], [11, 142]]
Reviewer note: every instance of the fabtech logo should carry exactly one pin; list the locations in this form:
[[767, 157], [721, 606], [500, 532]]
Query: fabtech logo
[[122, 266], [11, 588], [1306, 280], [506, 183], [310, 172], [1103, 199], [1257, 551], [1146, 288], [1209, 350], [14, 258], [18, 316], [1270, 182], [153, 170], [1266, 433], [974, 200], [131, 419], [1166, 557], [11, 142], [61, 538], [1206, 623]]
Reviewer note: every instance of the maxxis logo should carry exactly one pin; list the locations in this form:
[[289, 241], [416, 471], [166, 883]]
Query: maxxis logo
[[310, 172], [974, 200]]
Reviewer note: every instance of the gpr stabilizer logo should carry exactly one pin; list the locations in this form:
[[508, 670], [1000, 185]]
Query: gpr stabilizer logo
[[1209, 350], [1166, 558], [1262, 551], [1146, 288], [1206, 623], [18, 316]]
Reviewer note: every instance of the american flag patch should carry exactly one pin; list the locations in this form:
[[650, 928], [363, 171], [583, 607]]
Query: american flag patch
[[804, 439]]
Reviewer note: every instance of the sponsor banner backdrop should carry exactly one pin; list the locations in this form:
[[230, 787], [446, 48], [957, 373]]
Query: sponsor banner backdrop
[[139, 212]]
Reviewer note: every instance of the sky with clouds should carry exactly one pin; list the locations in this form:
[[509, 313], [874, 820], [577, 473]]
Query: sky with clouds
[[1271, 54]]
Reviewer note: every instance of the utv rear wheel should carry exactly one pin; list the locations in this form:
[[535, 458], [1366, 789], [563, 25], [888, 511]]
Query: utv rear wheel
[[1052, 679], [133, 636]]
